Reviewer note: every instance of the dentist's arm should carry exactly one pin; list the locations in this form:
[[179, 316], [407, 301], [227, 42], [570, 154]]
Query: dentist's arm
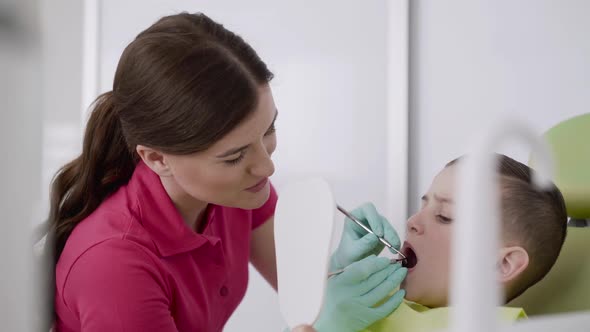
[[262, 252], [126, 294]]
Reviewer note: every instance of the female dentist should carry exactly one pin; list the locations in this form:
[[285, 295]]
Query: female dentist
[[155, 222]]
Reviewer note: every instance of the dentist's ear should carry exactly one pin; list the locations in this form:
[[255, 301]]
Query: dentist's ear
[[155, 160], [512, 262]]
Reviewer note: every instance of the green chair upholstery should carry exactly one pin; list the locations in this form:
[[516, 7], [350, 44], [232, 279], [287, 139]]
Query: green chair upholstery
[[569, 142], [566, 288]]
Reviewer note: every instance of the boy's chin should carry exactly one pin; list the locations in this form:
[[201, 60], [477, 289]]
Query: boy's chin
[[410, 291], [414, 294], [428, 302]]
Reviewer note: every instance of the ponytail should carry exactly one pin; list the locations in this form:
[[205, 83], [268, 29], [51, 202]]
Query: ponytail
[[79, 187]]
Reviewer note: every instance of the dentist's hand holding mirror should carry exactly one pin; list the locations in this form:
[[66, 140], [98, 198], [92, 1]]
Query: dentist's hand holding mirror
[[353, 299]]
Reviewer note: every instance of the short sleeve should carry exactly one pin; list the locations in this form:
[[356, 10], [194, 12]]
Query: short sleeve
[[116, 286], [263, 213]]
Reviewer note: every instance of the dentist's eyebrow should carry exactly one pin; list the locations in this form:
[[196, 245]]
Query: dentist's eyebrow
[[241, 148], [233, 151]]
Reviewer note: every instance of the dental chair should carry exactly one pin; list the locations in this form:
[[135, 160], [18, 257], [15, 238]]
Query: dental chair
[[566, 288]]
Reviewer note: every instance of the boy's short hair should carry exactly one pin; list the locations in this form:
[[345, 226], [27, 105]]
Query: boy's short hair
[[535, 220]]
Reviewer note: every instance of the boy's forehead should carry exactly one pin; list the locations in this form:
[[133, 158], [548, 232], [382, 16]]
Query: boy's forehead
[[443, 184]]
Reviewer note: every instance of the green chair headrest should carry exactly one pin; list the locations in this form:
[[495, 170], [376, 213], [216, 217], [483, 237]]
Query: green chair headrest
[[566, 288], [569, 142]]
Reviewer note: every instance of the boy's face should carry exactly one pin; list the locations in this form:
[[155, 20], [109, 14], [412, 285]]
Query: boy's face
[[428, 240]]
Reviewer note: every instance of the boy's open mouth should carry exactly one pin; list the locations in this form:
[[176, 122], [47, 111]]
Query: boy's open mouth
[[411, 258]]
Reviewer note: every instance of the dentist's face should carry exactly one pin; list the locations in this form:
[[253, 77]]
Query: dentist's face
[[234, 171], [428, 243]]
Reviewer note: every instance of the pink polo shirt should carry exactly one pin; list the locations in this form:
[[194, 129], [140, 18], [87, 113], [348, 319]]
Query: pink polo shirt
[[134, 265]]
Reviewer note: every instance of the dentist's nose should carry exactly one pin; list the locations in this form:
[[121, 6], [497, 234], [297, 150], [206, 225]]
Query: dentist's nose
[[263, 166]]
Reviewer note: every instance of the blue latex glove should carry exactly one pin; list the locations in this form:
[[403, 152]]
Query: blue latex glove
[[356, 243], [352, 295]]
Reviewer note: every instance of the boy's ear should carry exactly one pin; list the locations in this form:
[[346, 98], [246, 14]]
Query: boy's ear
[[512, 262]]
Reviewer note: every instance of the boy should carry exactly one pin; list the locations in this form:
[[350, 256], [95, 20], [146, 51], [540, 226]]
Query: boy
[[534, 227]]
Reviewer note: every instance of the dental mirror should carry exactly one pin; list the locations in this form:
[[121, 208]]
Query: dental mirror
[[304, 217]]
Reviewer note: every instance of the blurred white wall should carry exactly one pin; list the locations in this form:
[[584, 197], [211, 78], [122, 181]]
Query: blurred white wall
[[20, 145], [474, 62], [61, 23]]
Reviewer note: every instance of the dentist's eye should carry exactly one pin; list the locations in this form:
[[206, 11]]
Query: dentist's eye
[[444, 219], [236, 160]]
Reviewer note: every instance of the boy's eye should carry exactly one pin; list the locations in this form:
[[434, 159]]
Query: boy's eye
[[444, 219], [270, 130]]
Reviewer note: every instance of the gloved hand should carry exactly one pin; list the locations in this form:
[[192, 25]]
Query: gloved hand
[[356, 243], [352, 295]]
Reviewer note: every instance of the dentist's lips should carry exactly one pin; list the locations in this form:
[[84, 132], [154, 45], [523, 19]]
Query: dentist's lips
[[258, 187], [411, 258]]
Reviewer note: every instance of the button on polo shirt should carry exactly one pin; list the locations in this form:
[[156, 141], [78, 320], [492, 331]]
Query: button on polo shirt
[[134, 265]]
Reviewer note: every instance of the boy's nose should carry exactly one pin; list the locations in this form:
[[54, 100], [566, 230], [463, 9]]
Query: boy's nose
[[415, 224]]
